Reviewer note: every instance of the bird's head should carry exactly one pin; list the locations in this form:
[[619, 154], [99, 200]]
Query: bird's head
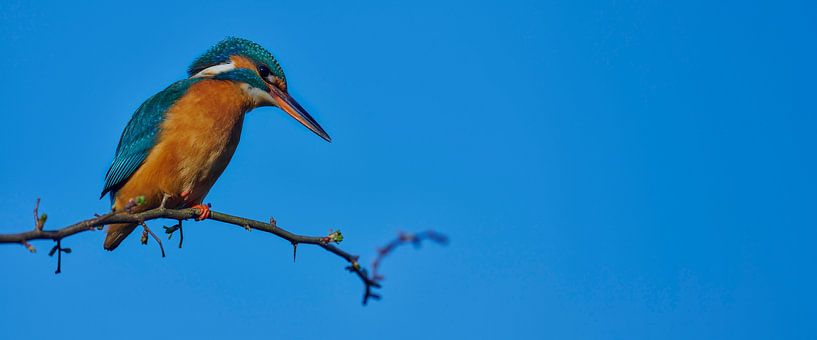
[[259, 74]]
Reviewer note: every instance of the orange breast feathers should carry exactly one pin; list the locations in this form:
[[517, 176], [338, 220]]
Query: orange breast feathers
[[198, 138]]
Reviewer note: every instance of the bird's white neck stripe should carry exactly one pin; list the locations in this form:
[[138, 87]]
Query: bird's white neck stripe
[[214, 70]]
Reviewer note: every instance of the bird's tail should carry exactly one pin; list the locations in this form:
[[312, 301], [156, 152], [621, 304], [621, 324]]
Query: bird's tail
[[117, 233]]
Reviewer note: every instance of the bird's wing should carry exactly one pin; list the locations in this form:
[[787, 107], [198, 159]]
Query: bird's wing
[[140, 135]]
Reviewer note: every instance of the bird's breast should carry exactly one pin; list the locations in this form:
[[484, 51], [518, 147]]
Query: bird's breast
[[198, 138]]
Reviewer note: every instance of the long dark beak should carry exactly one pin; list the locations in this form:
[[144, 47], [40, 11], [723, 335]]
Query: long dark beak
[[291, 107]]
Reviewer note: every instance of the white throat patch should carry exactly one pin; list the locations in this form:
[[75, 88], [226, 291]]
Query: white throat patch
[[259, 97]]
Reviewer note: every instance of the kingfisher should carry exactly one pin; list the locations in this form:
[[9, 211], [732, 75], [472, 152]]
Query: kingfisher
[[179, 141]]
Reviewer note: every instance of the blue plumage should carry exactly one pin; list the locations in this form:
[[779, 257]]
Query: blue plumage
[[243, 75], [212, 117], [140, 135], [220, 53]]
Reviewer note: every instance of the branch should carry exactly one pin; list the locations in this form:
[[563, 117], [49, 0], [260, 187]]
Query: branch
[[405, 238], [98, 222]]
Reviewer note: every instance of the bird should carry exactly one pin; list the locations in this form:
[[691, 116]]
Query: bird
[[179, 141]]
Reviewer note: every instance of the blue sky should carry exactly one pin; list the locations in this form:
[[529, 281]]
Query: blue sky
[[605, 170]]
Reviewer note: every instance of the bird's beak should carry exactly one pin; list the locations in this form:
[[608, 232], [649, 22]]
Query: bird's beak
[[291, 107]]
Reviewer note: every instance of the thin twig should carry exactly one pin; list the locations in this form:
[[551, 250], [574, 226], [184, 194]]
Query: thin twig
[[181, 234], [37, 215], [59, 250], [59, 257], [404, 238], [147, 230], [39, 220]]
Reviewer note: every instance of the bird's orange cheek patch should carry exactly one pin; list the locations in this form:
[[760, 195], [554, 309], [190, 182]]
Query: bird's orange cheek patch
[[242, 62]]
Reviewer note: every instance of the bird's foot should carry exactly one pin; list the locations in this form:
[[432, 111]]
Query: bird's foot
[[204, 211]]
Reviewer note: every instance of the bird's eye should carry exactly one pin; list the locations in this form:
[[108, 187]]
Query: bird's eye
[[263, 71]]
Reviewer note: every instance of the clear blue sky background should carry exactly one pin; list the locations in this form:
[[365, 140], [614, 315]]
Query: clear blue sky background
[[613, 170]]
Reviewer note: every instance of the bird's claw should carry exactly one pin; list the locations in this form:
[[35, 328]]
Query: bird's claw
[[204, 211]]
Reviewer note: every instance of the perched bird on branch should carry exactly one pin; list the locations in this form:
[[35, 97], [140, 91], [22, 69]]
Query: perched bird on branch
[[179, 141]]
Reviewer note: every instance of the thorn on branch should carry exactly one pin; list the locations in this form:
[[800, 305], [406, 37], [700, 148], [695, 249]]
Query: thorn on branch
[[144, 239], [294, 250]]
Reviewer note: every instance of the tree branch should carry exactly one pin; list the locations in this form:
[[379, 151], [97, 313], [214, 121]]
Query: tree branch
[[404, 238], [98, 222]]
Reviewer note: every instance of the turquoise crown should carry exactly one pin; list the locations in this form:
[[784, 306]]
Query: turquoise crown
[[221, 52]]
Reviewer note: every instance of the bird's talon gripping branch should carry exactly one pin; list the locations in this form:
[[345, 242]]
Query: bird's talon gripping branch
[[204, 211]]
